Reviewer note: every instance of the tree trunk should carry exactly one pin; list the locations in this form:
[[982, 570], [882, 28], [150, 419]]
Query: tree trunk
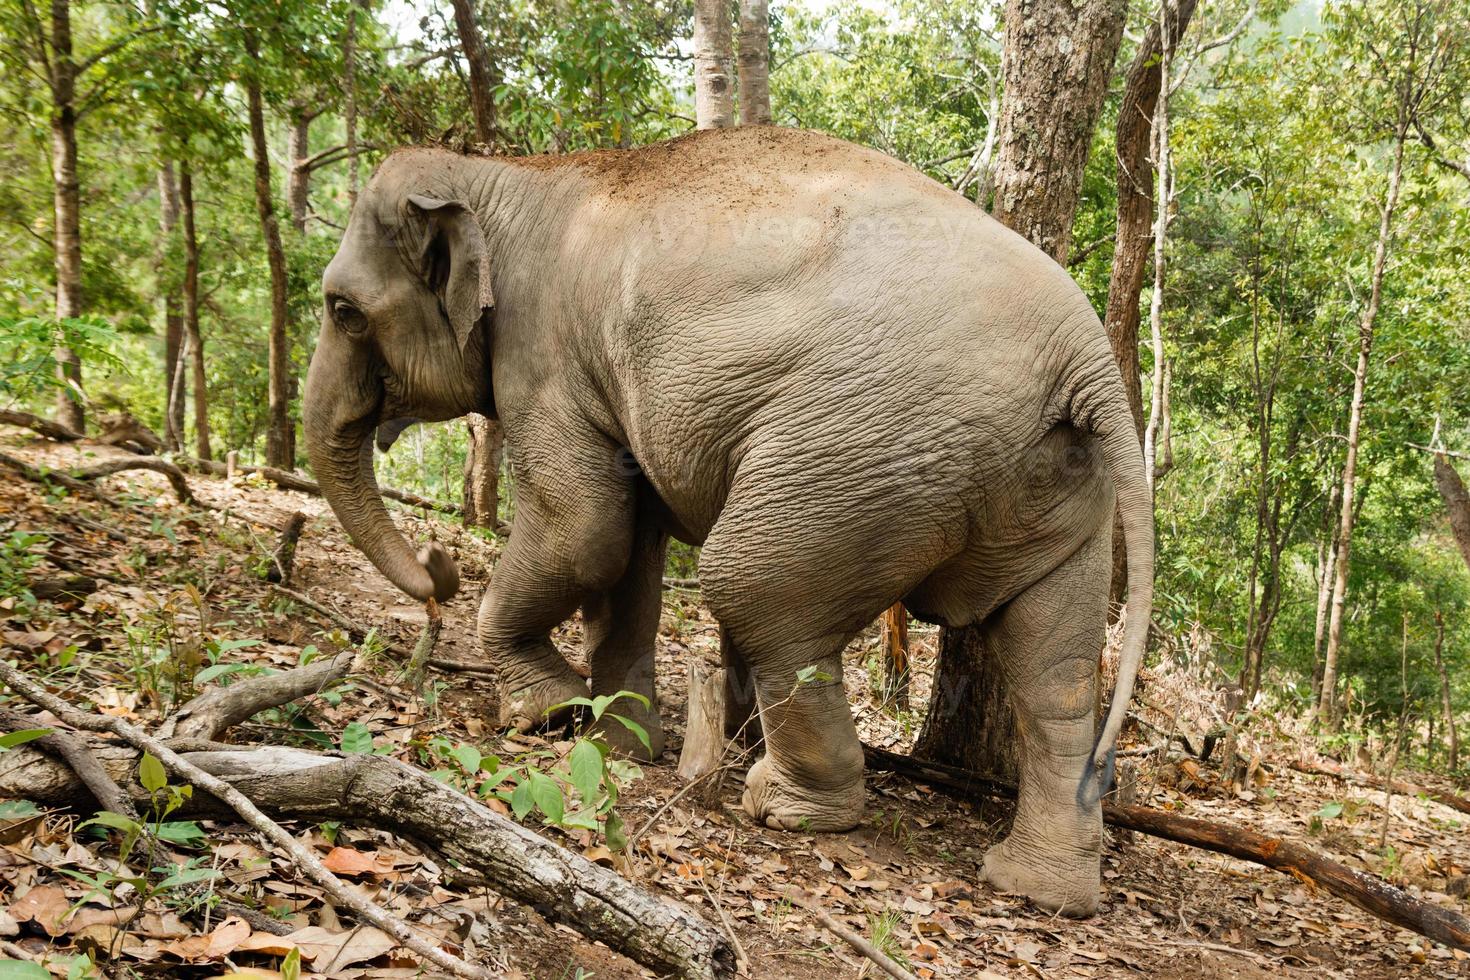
[[298, 176], [1056, 63], [67, 207], [482, 453], [280, 436], [1446, 704], [894, 652], [1326, 564], [1327, 705], [191, 311], [173, 321], [349, 103], [1057, 59], [712, 67], [482, 472], [1456, 501], [1134, 237], [482, 72], [755, 63]]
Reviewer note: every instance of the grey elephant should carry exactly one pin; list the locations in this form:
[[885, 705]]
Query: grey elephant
[[847, 383]]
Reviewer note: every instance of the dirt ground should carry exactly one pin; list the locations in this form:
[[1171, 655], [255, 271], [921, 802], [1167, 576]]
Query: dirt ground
[[906, 879]]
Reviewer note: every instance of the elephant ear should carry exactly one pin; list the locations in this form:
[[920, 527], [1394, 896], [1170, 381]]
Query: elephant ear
[[454, 262]]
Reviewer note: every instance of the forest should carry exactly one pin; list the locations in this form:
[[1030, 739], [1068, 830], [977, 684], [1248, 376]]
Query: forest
[[217, 709]]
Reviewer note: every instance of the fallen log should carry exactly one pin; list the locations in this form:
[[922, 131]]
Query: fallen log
[[54, 431], [174, 475], [564, 887], [305, 860], [36, 475], [1365, 891], [293, 481], [1387, 785]]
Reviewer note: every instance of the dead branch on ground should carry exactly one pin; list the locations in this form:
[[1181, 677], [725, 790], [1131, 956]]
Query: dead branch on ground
[[665, 936], [173, 473], [226, 793], [1365, 891], [1374, 782], [300, 484], [873, 953]]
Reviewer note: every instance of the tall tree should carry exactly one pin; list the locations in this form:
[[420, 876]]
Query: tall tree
[[173, 320], [754, 49], [66, 204], [1135, 209], [280, 436], [713, 106], [1055, 63], [1401, 48], [1456, 502], [482, 71], [482, 451], [195, 338]]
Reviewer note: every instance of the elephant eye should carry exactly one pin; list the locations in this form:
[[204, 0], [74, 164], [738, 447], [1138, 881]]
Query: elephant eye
[[348, 317]]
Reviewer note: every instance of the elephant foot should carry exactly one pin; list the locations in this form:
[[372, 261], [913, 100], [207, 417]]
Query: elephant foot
[[528, 708], [783, 804], [621, 740], [1062, 881]]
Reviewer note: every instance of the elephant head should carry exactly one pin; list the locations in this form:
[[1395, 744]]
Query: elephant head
[[405, 336]]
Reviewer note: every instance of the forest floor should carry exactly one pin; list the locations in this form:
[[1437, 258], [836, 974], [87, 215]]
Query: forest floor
[[907, 878]]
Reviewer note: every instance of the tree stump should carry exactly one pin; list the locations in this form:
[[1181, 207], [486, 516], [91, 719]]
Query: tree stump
[[704, 731], [895, 653]]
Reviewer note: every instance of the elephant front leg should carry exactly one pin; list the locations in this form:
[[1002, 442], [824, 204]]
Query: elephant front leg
[[621, 625], [540, 579], [1049, 639]]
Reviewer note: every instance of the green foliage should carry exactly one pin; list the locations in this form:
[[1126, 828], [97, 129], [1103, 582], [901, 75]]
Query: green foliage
[[574, 785]]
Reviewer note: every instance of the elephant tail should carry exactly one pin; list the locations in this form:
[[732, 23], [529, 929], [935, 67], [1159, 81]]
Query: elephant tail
[[1112, 424]]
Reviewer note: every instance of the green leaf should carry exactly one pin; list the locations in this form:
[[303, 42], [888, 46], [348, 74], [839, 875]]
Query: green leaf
[[18, 809], [586, 767], [467, 756], [11, 739], [23, 970], [617, 834], [1330, 811], [521, 800], [291, 965], [152, 774], [219, 670], [81, 968], [181, 832], [188, 876], [357, 739], [636, 729], [548, 796], [116, 821]]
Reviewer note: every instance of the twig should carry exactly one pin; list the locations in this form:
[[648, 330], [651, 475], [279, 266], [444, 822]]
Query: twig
[[852, 939], [310, 864], [1440, 450]]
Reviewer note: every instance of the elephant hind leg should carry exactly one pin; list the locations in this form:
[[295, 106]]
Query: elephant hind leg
[[621, 626], [1048, 640]]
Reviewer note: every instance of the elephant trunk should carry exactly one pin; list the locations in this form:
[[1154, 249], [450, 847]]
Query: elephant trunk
[[342, 457]]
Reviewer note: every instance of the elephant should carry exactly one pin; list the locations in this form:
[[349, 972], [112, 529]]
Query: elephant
[[847, 383]]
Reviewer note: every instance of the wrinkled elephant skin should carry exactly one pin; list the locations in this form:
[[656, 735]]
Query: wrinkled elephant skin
[[846, 382]]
